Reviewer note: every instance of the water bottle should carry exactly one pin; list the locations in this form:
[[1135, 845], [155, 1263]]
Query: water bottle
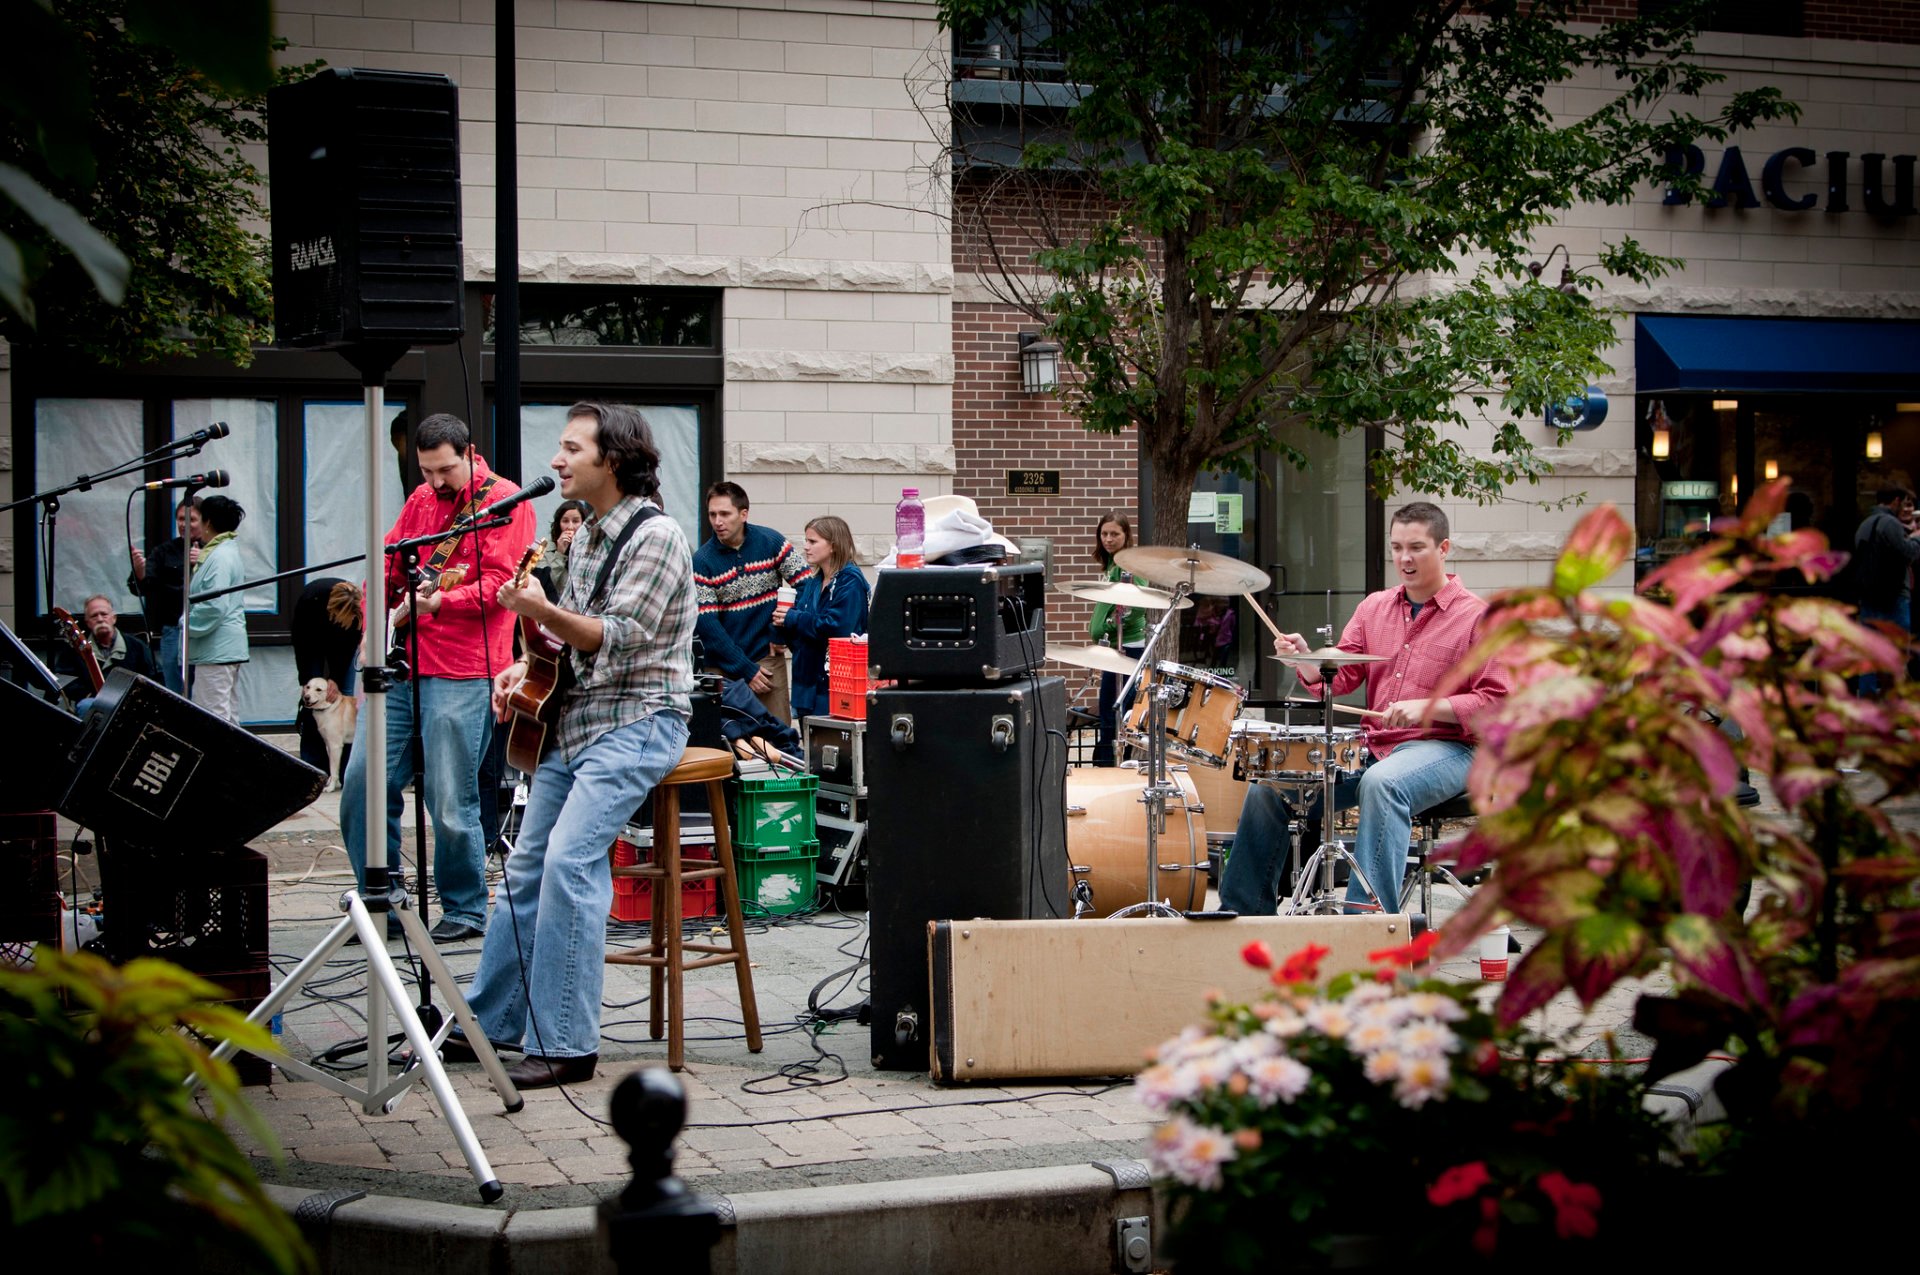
[[910, 529]]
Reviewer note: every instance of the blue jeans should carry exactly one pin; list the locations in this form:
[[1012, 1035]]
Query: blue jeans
[[1389, 792], [169, 657], [1900, 614], [543, 964], [458, 723], [1104, 734]]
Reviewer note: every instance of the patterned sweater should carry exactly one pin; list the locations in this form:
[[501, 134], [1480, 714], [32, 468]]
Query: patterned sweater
[[735, 590]]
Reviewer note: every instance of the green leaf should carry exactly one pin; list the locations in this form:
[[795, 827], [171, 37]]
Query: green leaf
[[1598, 545], [1601, 950], [105, 264]]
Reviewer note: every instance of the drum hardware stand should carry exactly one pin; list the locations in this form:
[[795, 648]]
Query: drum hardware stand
[[1159, 786], [1311, 897], [385, 994]]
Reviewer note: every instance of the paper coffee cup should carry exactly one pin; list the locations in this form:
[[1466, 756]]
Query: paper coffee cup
[[1493, 956], [785, 595]]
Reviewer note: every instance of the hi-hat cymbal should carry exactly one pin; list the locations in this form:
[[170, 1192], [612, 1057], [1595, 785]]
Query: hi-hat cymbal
[[1104, 658], [1327, 655], [1125, 593], [1209, 573]]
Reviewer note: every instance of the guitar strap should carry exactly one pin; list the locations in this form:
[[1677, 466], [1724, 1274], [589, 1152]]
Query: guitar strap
[[620, 542], [437, 560]]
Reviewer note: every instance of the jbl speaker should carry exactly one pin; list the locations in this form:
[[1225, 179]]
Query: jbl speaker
[[364, 169], [156, 771], [958, 625], [965, 819]]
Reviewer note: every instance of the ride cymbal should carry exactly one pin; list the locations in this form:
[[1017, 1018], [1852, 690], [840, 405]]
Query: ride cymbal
[[1213, 574]]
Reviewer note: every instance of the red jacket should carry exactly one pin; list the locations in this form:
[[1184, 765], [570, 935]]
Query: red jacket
[[450, 644]]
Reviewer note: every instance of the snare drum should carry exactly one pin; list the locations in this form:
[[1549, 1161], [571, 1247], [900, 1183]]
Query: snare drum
[[1270, 750], [1107, 840], [1200, 712]]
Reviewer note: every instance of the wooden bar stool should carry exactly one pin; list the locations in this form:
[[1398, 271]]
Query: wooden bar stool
[[667, 946]]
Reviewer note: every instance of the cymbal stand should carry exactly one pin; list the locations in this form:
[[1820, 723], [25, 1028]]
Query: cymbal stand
[[1160, 785], [1313, 886]]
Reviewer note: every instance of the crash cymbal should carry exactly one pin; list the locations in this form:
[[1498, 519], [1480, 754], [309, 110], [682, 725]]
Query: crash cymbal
[[1209, 573], [1125, 593], [1104, 658], [1327, 655]]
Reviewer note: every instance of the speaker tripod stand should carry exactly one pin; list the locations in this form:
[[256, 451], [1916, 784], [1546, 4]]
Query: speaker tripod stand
[[386, 996]]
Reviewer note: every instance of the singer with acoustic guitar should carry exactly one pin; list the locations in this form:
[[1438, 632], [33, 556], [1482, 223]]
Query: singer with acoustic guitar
[[464, 639], [626, 616]]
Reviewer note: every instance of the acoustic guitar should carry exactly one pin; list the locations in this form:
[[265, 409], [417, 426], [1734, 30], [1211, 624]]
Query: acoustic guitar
[[534, 705], [76, 637]]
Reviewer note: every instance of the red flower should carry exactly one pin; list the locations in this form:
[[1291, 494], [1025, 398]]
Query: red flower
[[1412, 953], [1574, 1205], [1303, 966], [1462, 1181], [1486, 1236], [1257, 954]]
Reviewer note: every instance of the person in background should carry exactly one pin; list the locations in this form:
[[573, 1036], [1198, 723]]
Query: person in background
[[326, 643], [736, 578], [831, 603], [112, 649], [552, 571], [155, 580], [1124, 628], [217, 628], [1884, 552]]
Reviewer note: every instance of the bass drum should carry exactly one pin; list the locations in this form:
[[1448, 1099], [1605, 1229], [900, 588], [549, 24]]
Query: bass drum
[[1107, 840]]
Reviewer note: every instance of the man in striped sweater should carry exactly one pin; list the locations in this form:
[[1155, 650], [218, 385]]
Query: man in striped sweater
[[736, 576]]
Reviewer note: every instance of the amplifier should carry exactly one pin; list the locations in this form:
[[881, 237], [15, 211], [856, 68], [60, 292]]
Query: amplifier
[[959, 625], [840, 818], [157, 771]]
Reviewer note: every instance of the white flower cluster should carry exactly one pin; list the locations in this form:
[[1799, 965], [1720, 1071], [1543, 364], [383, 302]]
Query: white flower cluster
[[1402, 1040]]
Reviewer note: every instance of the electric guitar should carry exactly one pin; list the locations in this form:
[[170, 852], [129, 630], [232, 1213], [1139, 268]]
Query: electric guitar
[[535, 703], [70, 632], [452, 578]]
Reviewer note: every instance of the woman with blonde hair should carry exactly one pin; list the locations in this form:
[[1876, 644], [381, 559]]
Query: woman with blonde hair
[[832, 603]]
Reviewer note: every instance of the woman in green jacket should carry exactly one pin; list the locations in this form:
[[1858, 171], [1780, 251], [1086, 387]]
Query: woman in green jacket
[[217, 628], [1121, 627]]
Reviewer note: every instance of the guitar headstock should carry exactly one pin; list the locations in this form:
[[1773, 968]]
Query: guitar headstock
[[68, 629], [528, 561]]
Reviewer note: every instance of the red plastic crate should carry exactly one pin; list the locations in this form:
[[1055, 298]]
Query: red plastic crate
[[633, 896], [847, 683]]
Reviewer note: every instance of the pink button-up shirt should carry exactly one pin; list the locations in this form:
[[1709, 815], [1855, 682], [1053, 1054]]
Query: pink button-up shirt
[[1420, 652]]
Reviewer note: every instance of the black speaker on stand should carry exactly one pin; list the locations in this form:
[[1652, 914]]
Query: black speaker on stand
[[365, 171], [966, 810]]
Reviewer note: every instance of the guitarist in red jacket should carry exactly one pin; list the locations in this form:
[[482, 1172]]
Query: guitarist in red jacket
[[627, 615], [465, 638]]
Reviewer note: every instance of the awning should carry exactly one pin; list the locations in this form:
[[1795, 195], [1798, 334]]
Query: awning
[[1790, 356]]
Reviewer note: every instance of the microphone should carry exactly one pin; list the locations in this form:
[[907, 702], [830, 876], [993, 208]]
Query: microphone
[[538, 487], [212, 478], [218, 429]]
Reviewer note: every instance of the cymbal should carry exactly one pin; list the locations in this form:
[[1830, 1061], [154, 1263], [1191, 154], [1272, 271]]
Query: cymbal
[[1328, 655], [1209, 573], [1125, 593], [1104, 658]]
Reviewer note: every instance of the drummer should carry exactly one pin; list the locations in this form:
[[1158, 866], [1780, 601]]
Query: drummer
[[1420, 747], [1124, 628]]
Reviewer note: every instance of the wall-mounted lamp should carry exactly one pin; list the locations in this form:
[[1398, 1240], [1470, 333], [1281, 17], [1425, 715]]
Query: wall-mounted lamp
[[1773, 470], [1039, 363], [1906, 407], [1726, 405], [1733, 488], [1876, 446], [1538, 268], [1662, 443]]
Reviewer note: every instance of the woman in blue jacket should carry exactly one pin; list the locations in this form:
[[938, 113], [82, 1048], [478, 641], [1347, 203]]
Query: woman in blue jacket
[[832, 603]]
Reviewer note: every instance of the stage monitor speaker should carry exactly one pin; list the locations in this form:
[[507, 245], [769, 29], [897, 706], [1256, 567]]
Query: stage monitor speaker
[[965, 819], [364, 169], [958, 626], [34, 766], [155, 771]]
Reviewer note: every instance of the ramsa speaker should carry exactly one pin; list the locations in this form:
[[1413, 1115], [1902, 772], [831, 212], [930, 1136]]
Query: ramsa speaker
[[965, 819], [364, 169]]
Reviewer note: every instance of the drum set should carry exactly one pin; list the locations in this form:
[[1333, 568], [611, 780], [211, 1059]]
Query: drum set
[[1192, 714]]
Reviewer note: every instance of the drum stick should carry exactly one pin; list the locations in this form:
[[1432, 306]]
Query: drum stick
[[1264, 618], [1358, 712]]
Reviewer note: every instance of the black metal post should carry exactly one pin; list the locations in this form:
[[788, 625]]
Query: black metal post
[[656, 1226]]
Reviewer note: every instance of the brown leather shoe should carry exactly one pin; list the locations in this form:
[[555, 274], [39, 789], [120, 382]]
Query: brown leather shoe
[[535, 1072], [455, 1049]]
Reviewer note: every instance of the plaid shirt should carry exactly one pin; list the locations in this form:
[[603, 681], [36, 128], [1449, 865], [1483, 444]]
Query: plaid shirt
[[645, 661], [1421, 651]]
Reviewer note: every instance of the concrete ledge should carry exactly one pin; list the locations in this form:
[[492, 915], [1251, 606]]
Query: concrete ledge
[[1060, 1220]]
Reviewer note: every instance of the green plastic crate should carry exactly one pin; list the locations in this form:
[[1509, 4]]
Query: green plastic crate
[[776, 881], [775, 813]]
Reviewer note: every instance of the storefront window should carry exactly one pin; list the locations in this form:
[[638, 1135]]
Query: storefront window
[[75, 436], [572, 314], [676, 432]]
